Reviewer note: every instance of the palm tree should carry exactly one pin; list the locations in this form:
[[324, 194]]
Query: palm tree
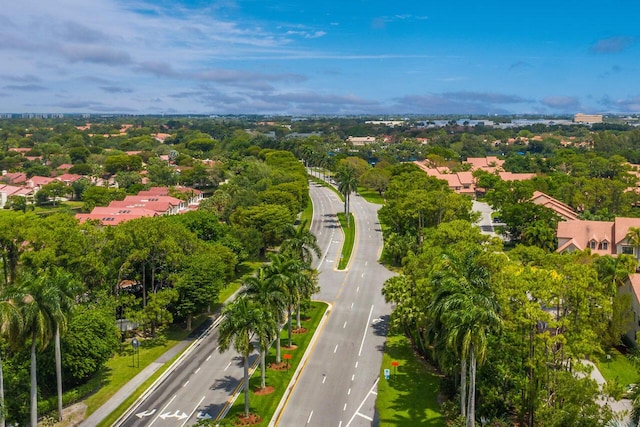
[[67, 289], [281, 270], [236, 329], [268, 293], [633, 236], [307, 285], [291, 274], [465, 312], [301, 244], [10, 329], [39, 303], [265, 329], [347, 184]]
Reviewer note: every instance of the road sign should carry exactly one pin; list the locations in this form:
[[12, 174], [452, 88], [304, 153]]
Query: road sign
[[386, 374]]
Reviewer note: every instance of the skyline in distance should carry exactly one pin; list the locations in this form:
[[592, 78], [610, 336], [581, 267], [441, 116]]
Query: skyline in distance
[[356, 57]]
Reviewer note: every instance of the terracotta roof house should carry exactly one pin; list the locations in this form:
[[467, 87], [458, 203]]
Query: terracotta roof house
[[14, 177], [510, 176], [602, 237], [164, 205], [489, 163], [64, 167], [7, 191], [36, 182], [68, 178], [160, 137], [563, 210], [108, 215]]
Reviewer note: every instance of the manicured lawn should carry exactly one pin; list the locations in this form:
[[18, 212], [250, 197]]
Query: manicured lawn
[[619, 368], [265, 405], [307, 215], [119, 369], [349, 239], [371, 196], [409, 397]]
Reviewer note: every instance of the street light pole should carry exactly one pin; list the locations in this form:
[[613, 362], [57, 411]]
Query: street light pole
[[135, 344]]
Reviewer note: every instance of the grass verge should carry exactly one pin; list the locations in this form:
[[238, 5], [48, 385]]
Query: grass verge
[[371, 196], [265, 405], [113, 416], [119, 370], [618, 369], [409, 398], [349, 239], [307, 215]]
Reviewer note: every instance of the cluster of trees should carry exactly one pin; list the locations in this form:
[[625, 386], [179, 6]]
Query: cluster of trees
[[67, 282], [414, 203], [509, 330], [268, 299]]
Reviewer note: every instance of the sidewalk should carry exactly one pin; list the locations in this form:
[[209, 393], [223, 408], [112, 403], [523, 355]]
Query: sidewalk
[[619, 407], [132, 385], [125, 391]]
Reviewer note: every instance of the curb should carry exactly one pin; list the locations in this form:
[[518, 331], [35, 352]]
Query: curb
[[126, 414], [275, 419]]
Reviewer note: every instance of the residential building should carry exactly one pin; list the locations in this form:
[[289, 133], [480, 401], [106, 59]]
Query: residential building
[[631, 287], [601, 237], [563, 210]]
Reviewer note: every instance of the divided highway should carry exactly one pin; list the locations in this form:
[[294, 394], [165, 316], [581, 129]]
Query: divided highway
[[339, 382]]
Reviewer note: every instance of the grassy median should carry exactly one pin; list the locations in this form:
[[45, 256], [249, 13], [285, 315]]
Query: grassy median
[[349, 239], [409, 398], [265, 404]]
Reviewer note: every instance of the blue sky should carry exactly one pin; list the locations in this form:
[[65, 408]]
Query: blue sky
[[320, 57]]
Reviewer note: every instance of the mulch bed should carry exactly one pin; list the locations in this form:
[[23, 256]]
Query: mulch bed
[[299, 330], [278, 366], [252, 419], [286, 347], [264, 391]]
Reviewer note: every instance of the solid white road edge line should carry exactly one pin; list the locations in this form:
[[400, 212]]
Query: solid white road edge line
[[366, 326]]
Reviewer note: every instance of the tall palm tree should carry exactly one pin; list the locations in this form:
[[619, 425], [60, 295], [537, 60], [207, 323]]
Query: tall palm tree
[[347, 184], [465, 312], [307, 285], [301, 244], [270, 294], [10, 329], [279, 270], [39, 303], [265, 329], [290, 273], [67, 288], [236, 329]]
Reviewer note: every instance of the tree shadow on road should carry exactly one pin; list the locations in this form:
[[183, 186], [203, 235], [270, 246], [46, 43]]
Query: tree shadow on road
[[227, 383]]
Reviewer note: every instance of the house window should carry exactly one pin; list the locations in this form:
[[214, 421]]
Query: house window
[[605, 245], [592, 244], [627, 250]]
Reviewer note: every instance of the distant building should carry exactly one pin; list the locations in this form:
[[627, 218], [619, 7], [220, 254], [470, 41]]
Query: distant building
[[361, 140], [587, 118]]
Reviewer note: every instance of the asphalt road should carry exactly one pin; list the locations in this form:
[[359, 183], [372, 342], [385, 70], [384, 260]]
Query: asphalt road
[[346, 359], [338, 384], [198, 388]]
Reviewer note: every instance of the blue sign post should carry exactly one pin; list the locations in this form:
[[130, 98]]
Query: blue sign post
[[386, 374]]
